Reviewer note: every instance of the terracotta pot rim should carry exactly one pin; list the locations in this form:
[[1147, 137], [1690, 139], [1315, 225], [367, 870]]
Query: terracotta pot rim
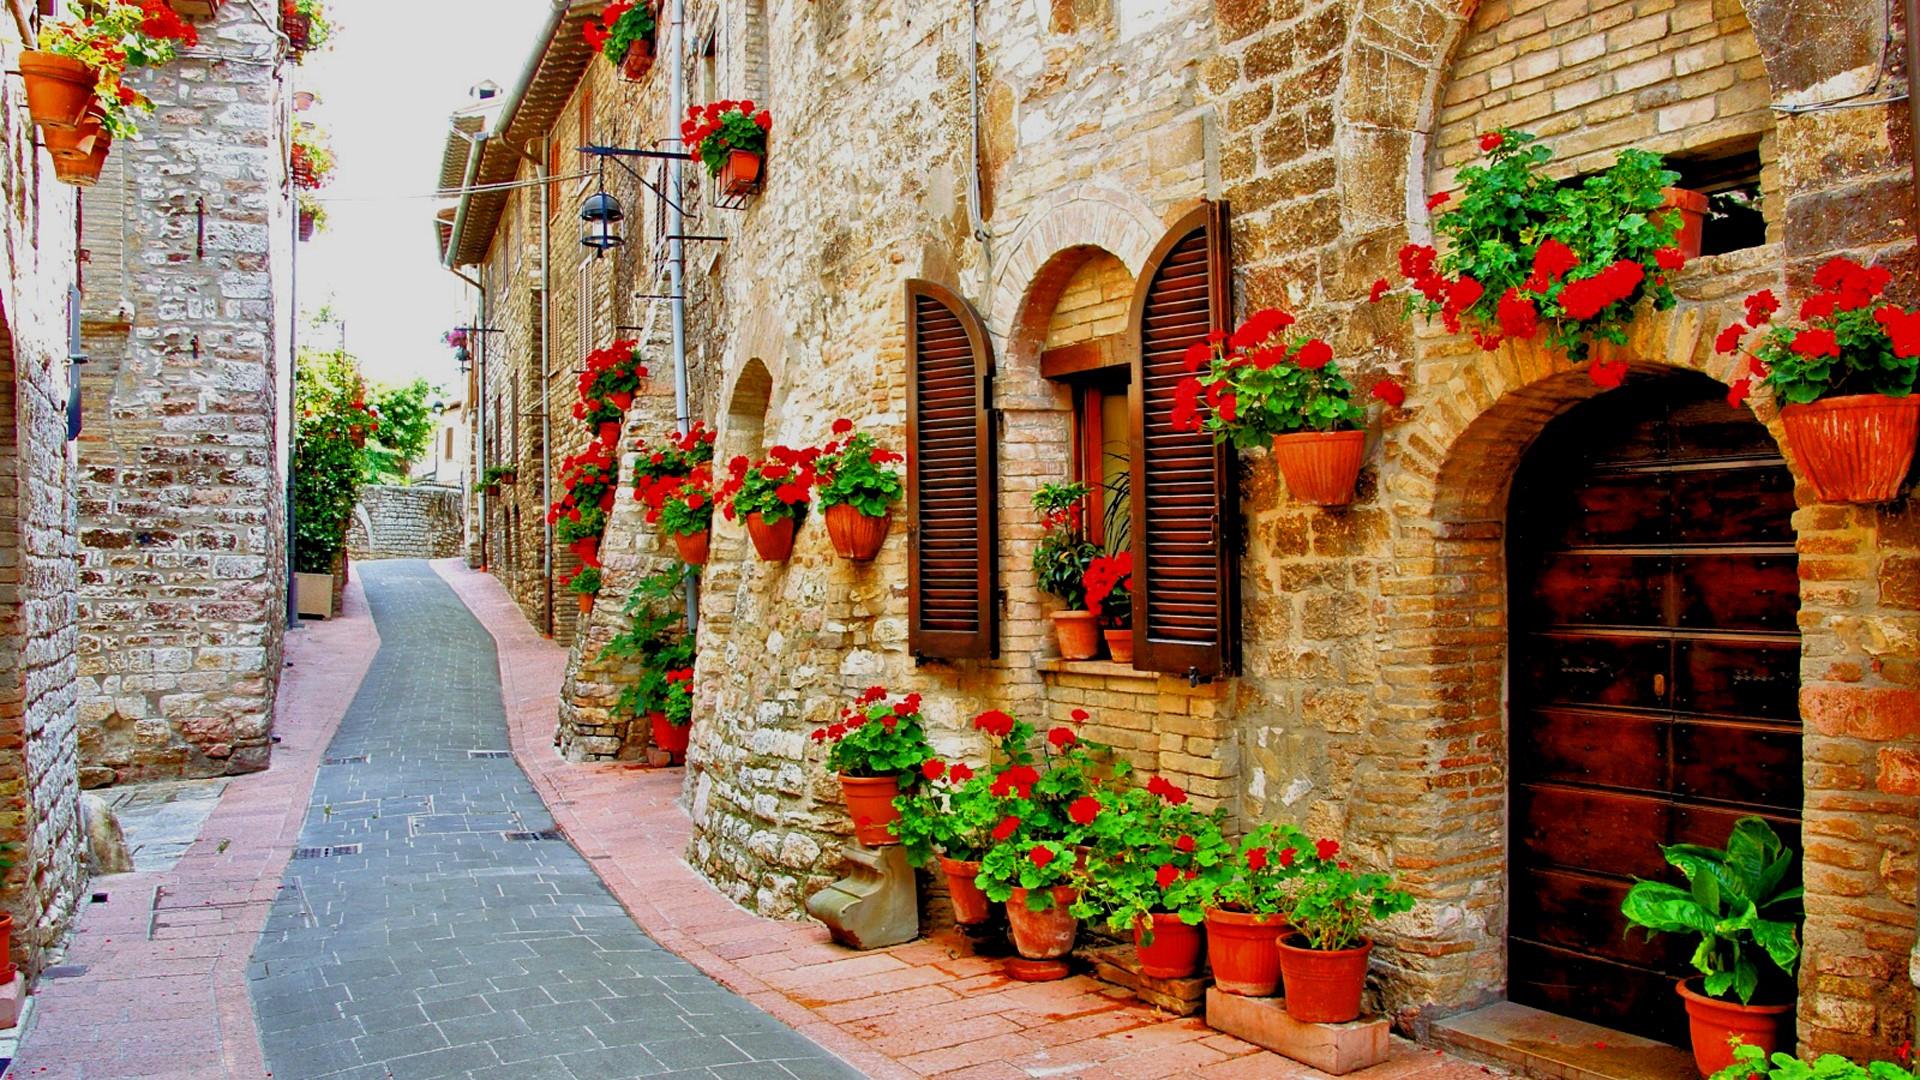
[[1679, 198], [960, 867], [1847, 402], [1229, 917], [1071, 894], [1285, 941], [1352, 435], [864, 781], [1074, 616], [1691, 996]]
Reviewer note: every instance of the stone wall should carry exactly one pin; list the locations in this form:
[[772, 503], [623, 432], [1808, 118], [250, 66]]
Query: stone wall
[[181, 493], [416, 521], [39, 791]]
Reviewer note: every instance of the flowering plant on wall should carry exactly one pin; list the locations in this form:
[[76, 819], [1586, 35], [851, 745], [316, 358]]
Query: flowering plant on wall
[[730, 139], [655, 638], [673, 458], [306, 25], [685, 503], [621, 26], [109, 38], [1109, 582], [313, 160], [582, 582], [778, 487], [858, 472], [1528, 256], [587, 481], [608, 382]]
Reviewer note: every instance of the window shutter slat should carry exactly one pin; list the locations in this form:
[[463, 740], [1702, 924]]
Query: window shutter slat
[[950, 478], [1185, 493]]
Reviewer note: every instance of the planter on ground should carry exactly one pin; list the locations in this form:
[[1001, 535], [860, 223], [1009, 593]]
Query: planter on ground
[[1856, 448], [856, 536], [1323, 986], [1045, 936], [970, 906], [870, 804], [669, 737], [1174, 952], [1078, 633], [313, 595], [772, 540], [693, 547], [1712, 1021], [59, 88], [6, 948], [1244, 951], [1321, 467]]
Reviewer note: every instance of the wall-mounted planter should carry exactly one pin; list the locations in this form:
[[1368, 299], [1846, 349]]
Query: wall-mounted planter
[[639, 62], [741, 174], [308, 224], [773, 540], [196, 9], [693, 549], [59, 88], [1321, 467], [299, 31], [1856, 448], [856, 536], [79, 153]]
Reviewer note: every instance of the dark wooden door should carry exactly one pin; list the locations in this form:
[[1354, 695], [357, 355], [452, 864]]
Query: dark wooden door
[[1655, 677]]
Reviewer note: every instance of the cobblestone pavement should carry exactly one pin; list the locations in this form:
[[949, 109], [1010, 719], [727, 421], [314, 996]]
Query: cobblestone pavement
[[432, 925]]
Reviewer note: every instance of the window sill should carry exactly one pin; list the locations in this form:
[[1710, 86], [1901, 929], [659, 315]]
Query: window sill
[[1105, 668]]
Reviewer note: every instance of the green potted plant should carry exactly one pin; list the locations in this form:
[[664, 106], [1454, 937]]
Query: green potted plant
[[877, 747], [1263, 386], [730, 139], [771, 495], [584, 584], [1845, 373], [328, 469], [1060, 566], [1527, 255], [623, 33], [306, 25], [609, 381], [1109, 584], [1750, 1062], [858, 488], [312, 216], [1144, 879], [655, 639], [75, 80], [1248, 896], [492, 477], [950, 818], [312, 159], [1739, 903], [686, 513], [1323, 963]]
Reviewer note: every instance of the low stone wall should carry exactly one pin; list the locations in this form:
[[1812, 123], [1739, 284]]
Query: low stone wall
[[419, 522]]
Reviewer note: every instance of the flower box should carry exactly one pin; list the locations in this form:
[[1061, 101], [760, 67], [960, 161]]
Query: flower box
[[196, 9]]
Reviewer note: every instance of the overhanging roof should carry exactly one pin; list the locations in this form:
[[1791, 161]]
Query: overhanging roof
[[553, 72]]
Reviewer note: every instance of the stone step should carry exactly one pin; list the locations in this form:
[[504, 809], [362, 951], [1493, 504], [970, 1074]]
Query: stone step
[[1543, 1044]]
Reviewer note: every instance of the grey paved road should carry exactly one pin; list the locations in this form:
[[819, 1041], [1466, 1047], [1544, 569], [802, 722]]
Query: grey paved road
[[446, 946]]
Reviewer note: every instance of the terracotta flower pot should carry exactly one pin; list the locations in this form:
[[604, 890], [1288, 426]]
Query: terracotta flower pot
[[741, 173], [1043, 935], [1713, 1021], [79, 153], [307, 225], [694, 548], [586, 602], [1855, 448], [493, 491], [668, 737], [970, 906], [1078, 633], [610, 432], [303, 174], [1692, 207], [59, 88], [6, 949], [1321, 467], [1119, 645], [1323, 985], [588, 548], [299, 31], [1174, 952], [774, 541], [639, 61], [856, 536], [1244, 951], [870, 803]]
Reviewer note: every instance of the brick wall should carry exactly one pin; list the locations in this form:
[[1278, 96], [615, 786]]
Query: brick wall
[[182, 567], [412, 522]]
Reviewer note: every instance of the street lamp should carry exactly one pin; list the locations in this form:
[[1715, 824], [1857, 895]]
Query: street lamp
[[602, 215]]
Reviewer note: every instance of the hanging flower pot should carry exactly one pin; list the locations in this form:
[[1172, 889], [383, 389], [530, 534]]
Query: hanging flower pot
[[610, 432], [1119, 645], [7, 969], [693, 547], [1042, 935], [1712, 1021], [299, 30], [1692, 209], [59, 88], [741, 174], [1078, 633], [857, 536], [773, 540], [1323, 986], [79, 153], [586, 602], [870, 803], [970, 906], [639, 61], [1856, 448], [1321, 467], [668, 736], [1174, 952], [588, 548], [308, 224], [1244, 951]]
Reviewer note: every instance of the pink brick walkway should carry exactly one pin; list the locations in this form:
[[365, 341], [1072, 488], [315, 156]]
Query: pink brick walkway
[[928, 1008], [175, 1004]]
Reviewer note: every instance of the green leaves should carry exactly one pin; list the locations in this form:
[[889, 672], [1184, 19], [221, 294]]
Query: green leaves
[[1751, 1061]]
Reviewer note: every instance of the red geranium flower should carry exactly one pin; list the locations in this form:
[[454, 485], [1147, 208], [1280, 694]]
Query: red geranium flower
[[1326, 849], [1729, 339], [1553, 258], [1166, 875], [995, 723], [1669, 258], [1761, 306], [1491, 141], [1390, 392], [1084, 809], [933, 768], [1007, 827], [1435, 202], [1380, 288], [1080, 716], [1061, 738], [1040, 856], [1812, 343], [1737, 392], [960, 773], [1608, 375], [1257, 859]]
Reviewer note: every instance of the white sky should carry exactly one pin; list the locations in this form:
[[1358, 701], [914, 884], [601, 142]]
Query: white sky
[[395, 72]]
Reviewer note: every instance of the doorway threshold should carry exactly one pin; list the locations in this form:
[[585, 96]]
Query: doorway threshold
[[1542, 1044]]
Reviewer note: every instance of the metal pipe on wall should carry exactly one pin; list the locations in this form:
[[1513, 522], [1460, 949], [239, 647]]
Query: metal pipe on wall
[[677, 256], [546, 375]]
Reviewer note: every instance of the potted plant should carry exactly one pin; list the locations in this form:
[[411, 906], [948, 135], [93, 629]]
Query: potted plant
[[1261, 385], [1323, 963], [78, 70], [1109, 583], [857, 488], [584, 584], [771, 495], [306, 25], [494, 476], [312, 216], [950, 817], [877, 747], [1528, 255], [311, 160], [1143, 877], [609, 381], [328, 467], [588, 482], [1750, 1062], [686, 513], [1739, 902], [655, 639], [1060, 567], [730, 139], [1845, 373], [1248, 897], [623, 33]]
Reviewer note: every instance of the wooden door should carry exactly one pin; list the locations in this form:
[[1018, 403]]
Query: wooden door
[[1655, 677]]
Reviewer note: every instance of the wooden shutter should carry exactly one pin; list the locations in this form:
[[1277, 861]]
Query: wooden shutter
[[950, 478], [1185, 493]]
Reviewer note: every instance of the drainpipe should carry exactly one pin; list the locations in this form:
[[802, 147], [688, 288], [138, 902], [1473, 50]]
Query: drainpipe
[[477, 411], [974, 200], [546, 374], [1912, 15], [677, 258]]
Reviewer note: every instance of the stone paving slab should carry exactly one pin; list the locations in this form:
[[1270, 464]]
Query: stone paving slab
[[926, 1008], [175, 1004], [427, 929]]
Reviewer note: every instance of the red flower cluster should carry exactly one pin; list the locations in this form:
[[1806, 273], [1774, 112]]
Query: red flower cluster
[[995, 723], [1062, 738], [1166, 789], [1588, 297], [1105, 574], [706, 121], [159, 20], [608, 382], [1018, 779], [854, 717], [1084, 810], [1845, 286], [599, 29], [661, 472]]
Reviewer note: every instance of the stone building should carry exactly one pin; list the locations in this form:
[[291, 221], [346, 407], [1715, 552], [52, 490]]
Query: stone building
[[182, 494], [411, 521], [39, 767], [1043, 204]]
